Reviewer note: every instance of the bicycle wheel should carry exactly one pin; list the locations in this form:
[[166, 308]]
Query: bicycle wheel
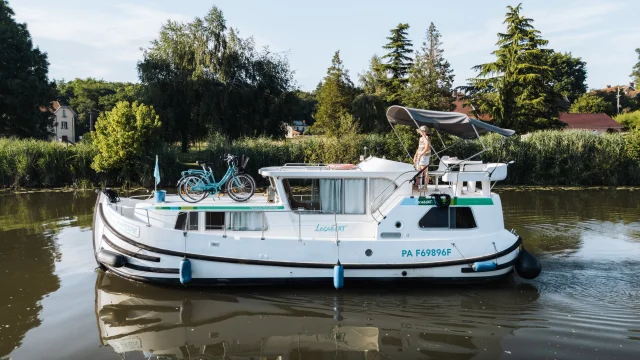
[[241, 187], [188, 194]]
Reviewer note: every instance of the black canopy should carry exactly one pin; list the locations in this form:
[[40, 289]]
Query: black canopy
[[452, 123]]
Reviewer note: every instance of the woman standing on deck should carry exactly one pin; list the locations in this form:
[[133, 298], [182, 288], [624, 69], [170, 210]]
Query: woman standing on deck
[[423, 155]]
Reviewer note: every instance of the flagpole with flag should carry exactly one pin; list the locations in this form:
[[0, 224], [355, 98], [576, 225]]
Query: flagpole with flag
[[156, 175]]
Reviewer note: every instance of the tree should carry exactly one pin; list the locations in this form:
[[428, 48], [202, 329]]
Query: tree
[[515, 89], [590, 104], [125, 137], [369, 110], [635, 74], [373, 80], [430, 77], [398, 64], [334, 98], [24, 85], [202, 76], [90, 97], [569, 75]]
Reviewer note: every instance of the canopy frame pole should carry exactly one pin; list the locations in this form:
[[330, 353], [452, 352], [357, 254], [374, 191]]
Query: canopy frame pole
[[478, 135], [400, 140]]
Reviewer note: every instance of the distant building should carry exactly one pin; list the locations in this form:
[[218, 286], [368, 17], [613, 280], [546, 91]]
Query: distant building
[[629, 90], [467, 109], [64, 124], [594, 122], [296, 128]]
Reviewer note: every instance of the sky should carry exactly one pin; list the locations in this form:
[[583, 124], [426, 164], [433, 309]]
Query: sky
[[103, 39]]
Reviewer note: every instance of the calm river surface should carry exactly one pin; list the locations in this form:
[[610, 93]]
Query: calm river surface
[[585, 305]]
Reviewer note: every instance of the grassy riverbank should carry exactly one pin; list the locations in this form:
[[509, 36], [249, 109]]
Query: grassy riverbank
[[542, 158]]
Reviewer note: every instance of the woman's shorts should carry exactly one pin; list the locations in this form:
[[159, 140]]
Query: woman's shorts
[[424, 161]]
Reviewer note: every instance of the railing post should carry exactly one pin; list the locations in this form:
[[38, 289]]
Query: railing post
[[148, 222], [262, 226], [299, 226]]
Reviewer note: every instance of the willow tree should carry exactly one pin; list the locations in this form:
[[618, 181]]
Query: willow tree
[[430, 77], [399, 62], [334, 94], [202, 76], [515, 89]]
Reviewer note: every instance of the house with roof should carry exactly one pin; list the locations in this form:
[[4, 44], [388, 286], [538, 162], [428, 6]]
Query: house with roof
[[64, 125], [594, 122], [296, 128]]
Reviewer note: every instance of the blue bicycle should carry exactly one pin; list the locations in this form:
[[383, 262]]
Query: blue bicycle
[[195, 185]]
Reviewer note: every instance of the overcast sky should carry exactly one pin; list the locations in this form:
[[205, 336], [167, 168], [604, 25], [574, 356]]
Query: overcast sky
[[102, 39]]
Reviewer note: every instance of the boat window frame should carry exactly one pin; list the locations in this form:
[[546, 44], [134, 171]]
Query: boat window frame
[[448, 227], [289, 195]]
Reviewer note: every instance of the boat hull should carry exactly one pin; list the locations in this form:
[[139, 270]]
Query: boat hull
[[146, 259]]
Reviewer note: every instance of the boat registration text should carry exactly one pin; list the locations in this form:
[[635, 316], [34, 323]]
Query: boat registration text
[[426, 252]]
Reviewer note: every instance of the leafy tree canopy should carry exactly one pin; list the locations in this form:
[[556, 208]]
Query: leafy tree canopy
[[373, 80], [24, 83], [125, 137], [569, 75], [91, 96], [334, 98], [202, 76], [430, 76], [370, 112], [520, 78], [590, 104], [399, 62]]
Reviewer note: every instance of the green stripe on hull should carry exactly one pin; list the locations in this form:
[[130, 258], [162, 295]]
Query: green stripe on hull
[[471, 201], [428, 201], [219, 207]]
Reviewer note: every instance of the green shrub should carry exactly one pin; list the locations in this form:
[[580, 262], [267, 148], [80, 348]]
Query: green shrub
[[630, 120]]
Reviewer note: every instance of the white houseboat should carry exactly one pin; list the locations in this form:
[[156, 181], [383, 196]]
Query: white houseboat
[[364, 222]]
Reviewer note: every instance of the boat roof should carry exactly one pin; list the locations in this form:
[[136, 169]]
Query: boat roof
[[452, 123], [371, 166]]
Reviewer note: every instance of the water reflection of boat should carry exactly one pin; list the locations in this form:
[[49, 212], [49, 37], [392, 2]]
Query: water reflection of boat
[[170, 323], [178, 324]]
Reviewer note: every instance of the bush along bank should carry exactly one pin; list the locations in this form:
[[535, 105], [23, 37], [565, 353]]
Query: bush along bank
[[570, 158], [35, 163], [556, 157]]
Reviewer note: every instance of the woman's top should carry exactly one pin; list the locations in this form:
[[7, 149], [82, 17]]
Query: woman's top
[[422, 144]]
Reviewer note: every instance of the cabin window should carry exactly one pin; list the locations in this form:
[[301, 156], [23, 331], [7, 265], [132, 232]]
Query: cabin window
[[448, 218], [340, 196], [379, 192], [214, 221], [182, 220], [246, 221]]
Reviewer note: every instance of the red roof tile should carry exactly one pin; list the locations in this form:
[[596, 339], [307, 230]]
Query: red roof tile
[[468, 110], [600, 121]]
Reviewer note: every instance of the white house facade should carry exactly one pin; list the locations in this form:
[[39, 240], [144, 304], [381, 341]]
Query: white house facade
[[64, 124]]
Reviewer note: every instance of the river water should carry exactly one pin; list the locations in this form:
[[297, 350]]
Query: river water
[[585, 304]]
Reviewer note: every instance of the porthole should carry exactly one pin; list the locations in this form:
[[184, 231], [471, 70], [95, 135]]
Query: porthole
[[368, 252], [404, 273], [398, 224]]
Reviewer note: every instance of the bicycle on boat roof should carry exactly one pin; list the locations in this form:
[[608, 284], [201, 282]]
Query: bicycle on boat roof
[[196, 185]]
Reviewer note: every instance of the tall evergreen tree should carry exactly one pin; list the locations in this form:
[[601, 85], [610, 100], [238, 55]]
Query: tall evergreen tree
[[399, 62], [635, 74], [334, 98], [430, 76], [515, 89], [24, 83]]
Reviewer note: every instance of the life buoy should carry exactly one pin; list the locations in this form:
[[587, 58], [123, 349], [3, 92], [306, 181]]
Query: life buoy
[[341, 166], [441, 200]]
